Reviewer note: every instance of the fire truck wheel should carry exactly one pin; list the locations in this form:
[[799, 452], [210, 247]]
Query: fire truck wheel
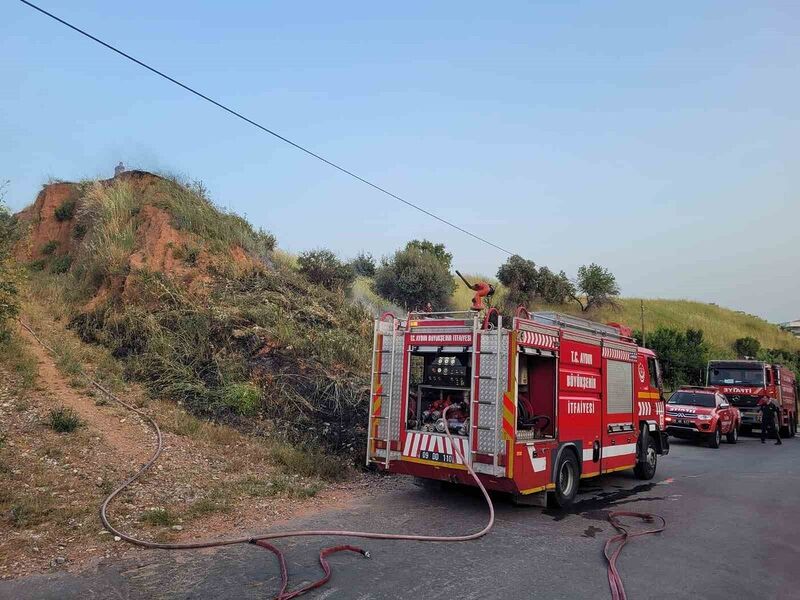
[[715, 438], [566, 481], [647, 470], [733, 435]]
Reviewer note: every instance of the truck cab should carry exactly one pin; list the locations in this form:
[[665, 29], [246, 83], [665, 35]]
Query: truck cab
[[745, 382]]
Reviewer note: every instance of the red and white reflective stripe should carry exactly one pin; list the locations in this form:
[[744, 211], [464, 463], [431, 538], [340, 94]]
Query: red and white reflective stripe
[[645, 409], [417, 442], [616, 354], [531, 338]]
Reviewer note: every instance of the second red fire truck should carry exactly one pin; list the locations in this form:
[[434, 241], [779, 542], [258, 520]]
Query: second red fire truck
[[745, 382], [534, 406]]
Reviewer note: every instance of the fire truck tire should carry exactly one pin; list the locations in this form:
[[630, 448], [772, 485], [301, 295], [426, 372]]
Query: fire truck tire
[[733, 435], [646, 469], [715, 438], [567, 476]]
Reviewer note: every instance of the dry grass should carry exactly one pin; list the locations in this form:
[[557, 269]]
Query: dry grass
[[309, 462], [159, 517], [193, 210], [179, 422], [108, 213], [279, 485], [363, 293], [721, 326], [48, 308], [17, 358]]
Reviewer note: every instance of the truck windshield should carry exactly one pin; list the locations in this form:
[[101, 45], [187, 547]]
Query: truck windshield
[[692, 399], [734, 376]]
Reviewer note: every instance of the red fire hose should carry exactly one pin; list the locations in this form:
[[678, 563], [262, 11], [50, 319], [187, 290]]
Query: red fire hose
[[614, 545]]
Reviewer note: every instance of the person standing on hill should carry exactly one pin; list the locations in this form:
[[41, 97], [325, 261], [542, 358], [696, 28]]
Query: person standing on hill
[[120, 168], [769, 419]]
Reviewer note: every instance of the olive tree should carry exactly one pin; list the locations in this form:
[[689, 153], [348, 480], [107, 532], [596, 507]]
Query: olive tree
[[416, 275], [596, 287]]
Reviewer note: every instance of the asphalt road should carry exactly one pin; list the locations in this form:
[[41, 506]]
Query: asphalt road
[[733, 531]]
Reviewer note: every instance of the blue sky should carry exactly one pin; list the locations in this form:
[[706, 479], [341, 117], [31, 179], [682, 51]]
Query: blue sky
[[659, 140]]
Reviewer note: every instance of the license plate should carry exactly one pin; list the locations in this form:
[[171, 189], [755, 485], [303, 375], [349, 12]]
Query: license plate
[[684, 422], [437, 457]]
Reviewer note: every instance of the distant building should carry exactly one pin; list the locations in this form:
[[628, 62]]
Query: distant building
[[120, 168], [792, 327]]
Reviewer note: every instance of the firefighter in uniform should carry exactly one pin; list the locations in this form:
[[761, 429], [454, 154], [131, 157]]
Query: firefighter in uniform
[[769, 419]]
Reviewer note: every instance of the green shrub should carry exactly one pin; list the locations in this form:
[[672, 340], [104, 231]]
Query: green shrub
[[746, 346], [324, 268], [79, 231], [37, 265], [159, 517], [363, 265], [787, 358], [526, 285], [414, 277], [683, 355], [242, 398], [64, 420], [49, 247], [60, 264], [66, 210], [189, 253], [598, 286], [10, 273], [437, 250]]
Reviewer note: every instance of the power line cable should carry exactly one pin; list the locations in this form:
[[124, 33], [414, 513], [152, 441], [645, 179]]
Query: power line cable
[[265, 129]]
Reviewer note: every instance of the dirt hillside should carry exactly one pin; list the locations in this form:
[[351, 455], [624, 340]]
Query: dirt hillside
[[210, 482], [43, 225], [198, 308]]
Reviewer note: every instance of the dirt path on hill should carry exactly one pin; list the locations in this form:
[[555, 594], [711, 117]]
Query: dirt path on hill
[[124, 431], [211, 481]]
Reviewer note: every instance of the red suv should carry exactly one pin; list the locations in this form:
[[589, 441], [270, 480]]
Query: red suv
[[701, 412]]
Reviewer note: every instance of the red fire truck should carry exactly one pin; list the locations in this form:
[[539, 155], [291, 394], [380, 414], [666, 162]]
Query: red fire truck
[[533, 407], [744, 382]]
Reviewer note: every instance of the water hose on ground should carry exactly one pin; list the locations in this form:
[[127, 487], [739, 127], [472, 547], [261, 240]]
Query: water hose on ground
[[259, 539], [614, 545]]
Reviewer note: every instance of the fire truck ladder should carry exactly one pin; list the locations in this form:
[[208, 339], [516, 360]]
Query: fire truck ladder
[[475, 400], [579, 324], [375, 384]]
